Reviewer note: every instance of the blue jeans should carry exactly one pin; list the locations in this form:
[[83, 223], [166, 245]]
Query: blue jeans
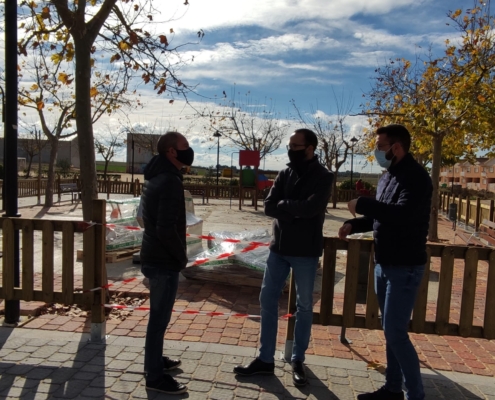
[[163, 289], [276, 273], [396, 288]]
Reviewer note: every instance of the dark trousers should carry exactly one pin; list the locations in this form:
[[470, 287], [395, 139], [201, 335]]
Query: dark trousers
[[163, 289]]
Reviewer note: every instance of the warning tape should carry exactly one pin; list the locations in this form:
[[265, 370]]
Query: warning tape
[[250, 246], [193, 312]]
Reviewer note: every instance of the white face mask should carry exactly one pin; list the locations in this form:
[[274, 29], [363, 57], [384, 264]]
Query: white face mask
[[381, 158]]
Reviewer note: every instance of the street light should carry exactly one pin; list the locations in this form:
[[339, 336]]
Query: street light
[[353, 140], [217, 135], [232, 174]]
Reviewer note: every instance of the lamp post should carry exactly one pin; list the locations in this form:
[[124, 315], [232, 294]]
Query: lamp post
[[231, 175], [12, 307], [353, 140], [217, 135], [132, 162]]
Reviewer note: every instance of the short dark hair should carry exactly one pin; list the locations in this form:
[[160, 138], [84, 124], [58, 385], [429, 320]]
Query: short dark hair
[[398, 134], [309, 137], [167, 141]]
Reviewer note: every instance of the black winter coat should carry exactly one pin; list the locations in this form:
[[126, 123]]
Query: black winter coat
[[164, 215], [400, 214], [298, 204]]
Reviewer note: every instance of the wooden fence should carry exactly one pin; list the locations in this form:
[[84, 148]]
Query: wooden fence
[[31, 187], [94, 272], [470, 211], [465, 309], [477, 295]]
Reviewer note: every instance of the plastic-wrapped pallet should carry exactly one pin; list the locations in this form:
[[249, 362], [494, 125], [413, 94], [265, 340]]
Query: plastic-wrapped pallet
[[245, 269], [125, 232], [194, 226]]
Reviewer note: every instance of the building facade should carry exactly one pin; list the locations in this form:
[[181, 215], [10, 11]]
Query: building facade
[[479, 175]]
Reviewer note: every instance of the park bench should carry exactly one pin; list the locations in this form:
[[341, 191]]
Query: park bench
[[197, 192], [70, 188]]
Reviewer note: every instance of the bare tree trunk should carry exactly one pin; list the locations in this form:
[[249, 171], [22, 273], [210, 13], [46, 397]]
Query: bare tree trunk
[[105, 170], [85, 127], [335, 195], [29, 166], [435, 175], [50, 182]]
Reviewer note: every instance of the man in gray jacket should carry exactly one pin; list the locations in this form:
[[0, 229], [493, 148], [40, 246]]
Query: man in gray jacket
[[163, 252]]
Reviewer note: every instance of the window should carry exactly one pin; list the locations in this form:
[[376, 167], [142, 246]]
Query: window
[[476, 169], [484, 181], [457, 170], [468, 169], [491, 169]]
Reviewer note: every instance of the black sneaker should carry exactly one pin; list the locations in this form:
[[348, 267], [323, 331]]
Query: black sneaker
[[169, 364], [255, 367], [167, 385], [382, 394]]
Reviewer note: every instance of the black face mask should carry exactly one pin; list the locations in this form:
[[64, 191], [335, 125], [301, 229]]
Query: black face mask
[[185, 157], [296, 156]]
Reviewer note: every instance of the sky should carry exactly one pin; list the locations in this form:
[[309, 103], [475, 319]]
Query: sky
[[308, 51]]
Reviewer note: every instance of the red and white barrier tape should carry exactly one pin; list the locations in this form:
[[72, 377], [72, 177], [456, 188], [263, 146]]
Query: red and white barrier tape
[[193, 312]]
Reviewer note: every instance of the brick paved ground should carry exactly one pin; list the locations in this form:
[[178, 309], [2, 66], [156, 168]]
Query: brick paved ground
[[466, 355], [52, 365]]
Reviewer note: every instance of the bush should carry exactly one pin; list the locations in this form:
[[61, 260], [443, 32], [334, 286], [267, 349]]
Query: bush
[[346, 185], [63, 167]]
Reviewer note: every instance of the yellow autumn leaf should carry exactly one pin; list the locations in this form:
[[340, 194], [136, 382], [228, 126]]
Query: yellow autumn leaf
[[124, 45], [62, 77], [56, 58], [34, 86], [93, 92], [40, 105]]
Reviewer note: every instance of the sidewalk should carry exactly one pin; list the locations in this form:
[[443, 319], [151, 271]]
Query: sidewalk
[[42, 365]]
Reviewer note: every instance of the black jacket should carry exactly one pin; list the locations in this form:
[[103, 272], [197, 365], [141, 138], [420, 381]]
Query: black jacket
[[400, 214], [298, 203], [164, 215]]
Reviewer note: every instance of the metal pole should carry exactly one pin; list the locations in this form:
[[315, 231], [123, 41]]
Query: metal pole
[[231, 175], [12, 307], [352, 164], [132, 163], [218, 161]]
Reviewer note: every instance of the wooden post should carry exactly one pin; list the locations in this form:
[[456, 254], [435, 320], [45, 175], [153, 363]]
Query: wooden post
[[98, 322], [459, 210], [490, 216], [291, 321], [58, 188], [108, 188], [477, 219], [468, 209]]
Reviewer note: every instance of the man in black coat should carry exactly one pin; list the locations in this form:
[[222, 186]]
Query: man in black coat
[[297, 201], [163, 251], [399, 218]]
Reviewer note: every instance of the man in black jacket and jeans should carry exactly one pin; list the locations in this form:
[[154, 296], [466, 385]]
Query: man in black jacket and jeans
[[163, 252], [297, 201], [399, 218]]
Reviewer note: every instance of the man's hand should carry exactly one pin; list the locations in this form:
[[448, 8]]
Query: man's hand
[[344, 231], [352, 206]]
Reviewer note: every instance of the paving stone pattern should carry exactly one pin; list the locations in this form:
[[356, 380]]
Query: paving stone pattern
[[68, 366]]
